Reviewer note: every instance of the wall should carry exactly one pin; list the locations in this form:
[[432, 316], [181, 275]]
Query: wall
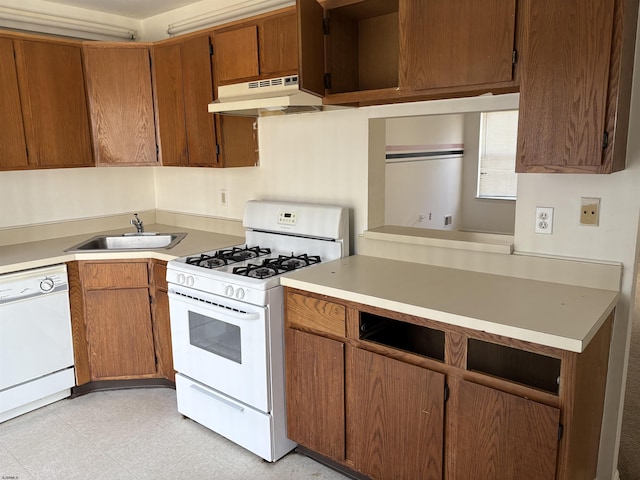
[[47, 196], [420, 192]]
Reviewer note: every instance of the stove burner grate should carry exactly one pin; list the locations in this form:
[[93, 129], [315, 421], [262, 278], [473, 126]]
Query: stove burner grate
[[227, 256], [275, 266]]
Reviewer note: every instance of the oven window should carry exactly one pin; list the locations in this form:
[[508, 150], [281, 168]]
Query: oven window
[[215, 336]]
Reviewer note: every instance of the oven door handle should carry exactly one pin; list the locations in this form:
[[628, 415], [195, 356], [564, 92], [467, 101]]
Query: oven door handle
[[226, 311]]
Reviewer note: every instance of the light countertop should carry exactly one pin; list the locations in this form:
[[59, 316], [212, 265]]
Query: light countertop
[[546, 313], [52, 251]]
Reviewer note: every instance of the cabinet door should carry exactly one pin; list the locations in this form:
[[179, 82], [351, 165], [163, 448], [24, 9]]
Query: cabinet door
[[279, 46], [121, 104], [448, 44], [395, 416], [172, 129], [54, 103], [119, 334], [238, 140], [311, 46], [236, 54], [563, 87], [13, 149], [315, 392], [198, 93], [161, 323], [492, 434]]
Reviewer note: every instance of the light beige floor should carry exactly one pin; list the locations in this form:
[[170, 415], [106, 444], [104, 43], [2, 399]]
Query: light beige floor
[[132, 434]]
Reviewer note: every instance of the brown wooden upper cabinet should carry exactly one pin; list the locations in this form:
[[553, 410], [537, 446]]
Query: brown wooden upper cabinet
[[189, 134], [184, 86], [576, 68], [381, 50], [121, 103], [264, 47], [44, 122], [13, 147]]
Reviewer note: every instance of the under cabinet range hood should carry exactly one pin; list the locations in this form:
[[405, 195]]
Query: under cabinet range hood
[[264, 97]]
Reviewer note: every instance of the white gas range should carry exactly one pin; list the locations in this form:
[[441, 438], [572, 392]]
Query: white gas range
[[227, 320]]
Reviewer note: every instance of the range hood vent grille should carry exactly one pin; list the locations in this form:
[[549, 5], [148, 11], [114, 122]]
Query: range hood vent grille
[[281, 95]]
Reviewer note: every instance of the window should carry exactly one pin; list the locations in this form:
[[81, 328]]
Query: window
[[497, 155]]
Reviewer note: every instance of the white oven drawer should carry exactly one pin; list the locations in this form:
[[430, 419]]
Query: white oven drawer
[[238, 422]]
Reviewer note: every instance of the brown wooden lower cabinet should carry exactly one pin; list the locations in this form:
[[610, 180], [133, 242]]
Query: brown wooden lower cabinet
[[315, 392], [120, 320], [395, 417], [392, 396], [493, 434], [119, 333]]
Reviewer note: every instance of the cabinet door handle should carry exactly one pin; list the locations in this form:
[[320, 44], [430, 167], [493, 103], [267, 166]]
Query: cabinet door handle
[[218, 398]]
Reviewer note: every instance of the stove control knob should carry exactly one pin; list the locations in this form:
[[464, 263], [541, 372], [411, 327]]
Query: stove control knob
[[228, 291], [181, 278], [240, 293], [190, 281]]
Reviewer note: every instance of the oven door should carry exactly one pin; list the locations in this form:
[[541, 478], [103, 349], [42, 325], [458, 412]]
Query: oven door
[[221, 343]]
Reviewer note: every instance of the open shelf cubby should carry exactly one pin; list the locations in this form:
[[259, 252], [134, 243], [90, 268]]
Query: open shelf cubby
[[520, 366], [417, 339]]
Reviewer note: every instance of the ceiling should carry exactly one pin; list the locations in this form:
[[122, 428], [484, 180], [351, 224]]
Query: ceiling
[[128, 8]]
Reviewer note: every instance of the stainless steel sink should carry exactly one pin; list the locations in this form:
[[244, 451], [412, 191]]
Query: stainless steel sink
[[129, 241]]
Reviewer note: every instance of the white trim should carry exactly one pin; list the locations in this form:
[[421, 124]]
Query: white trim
[[25, 19], [242, 9]]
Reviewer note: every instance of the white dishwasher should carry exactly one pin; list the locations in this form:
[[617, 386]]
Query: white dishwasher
[[36, 347]]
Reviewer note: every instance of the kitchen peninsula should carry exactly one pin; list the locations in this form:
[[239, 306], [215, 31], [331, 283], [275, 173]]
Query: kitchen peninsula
[[482, 368]]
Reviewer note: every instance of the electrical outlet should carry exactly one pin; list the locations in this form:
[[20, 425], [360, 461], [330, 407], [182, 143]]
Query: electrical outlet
[[544, 220], [589, 211], [223, 197], [448, 220]]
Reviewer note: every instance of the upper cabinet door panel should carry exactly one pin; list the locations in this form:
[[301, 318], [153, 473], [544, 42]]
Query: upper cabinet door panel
[[563, 91], [311, 46], [13, 149], [279, 45], [448, 44], [119, 87], [167, 64], [54, 103], [236, 54], [198, 93]]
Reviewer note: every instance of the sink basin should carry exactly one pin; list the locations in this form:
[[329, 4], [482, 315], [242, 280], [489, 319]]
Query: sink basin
[[129, 241]]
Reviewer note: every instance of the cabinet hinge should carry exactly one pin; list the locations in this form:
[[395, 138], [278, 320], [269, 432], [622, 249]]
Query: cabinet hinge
[[325, 25], [446, 392], [560, 431], [150, 299], [217, 149], [514, 57], [327, 81], [605, 140], [210, 49]]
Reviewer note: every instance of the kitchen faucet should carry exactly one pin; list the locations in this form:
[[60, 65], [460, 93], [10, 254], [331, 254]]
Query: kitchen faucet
[[137, 222]]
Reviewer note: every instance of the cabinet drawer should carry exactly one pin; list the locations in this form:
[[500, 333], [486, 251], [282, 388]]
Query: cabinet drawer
[[114, 275], [315, 314]]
